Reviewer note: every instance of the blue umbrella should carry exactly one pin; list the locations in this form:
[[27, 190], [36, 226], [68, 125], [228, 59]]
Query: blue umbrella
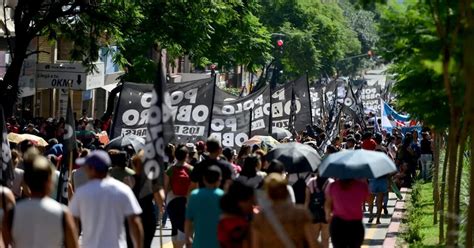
[[356, 164]]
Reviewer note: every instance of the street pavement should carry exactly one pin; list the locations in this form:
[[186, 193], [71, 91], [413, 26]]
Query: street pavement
[[374, 234]]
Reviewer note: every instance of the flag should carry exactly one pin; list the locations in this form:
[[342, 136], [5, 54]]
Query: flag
[[292, 120], [6, 171], [69, 145], [160, 129]]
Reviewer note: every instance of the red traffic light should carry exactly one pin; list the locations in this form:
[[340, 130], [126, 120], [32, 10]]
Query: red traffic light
[[279, 43]]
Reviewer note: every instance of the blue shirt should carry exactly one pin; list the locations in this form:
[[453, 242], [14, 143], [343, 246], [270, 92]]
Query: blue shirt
[[204, 211]]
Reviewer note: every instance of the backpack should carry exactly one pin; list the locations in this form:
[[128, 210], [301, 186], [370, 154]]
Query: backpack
[[316, 203], [299, 188], [180, 180]]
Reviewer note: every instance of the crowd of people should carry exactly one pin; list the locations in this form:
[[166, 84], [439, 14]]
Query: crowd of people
[[213, 196]]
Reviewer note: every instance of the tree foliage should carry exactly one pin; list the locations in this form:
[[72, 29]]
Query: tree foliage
[[319, 35]]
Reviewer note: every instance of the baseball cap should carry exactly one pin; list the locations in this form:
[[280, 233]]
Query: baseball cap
[[98, 159], [201, 146]]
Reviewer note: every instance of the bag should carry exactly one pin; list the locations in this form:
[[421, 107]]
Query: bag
[[180, 180], [316, 204], [299, 188]]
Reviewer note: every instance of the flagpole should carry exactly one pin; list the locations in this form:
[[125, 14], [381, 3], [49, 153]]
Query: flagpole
[[309, 99], [250, 123], [209, 131]]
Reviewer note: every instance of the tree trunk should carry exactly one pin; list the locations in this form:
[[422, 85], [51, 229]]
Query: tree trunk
[[436, 155], [457, 192], [442, 195], [470, 214], [452, 233], [9, 86]]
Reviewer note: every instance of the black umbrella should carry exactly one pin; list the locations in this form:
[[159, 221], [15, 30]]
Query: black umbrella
[[296, 157], [124, 141], [280, 133]]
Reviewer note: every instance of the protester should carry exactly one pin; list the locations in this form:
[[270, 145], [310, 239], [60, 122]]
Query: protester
[[18, 184], [214, 149], [40, 221], [229, 154], [147, 193], [426, 157], [177, 185], [281, 224], [102, 205], [245, 151], [237, 206], [316, 195], [119, 169], [343, 207], [367, 142], [278, 167], [251, 173], [202, 212]]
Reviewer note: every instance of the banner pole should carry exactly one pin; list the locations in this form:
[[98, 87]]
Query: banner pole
[[309, 99], [114, 121], [250, 123], [209, 131]]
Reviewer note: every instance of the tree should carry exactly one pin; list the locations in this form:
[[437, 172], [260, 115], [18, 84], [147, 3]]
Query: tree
[[225, 33], [433, 39], [317, 35], [84, 21]]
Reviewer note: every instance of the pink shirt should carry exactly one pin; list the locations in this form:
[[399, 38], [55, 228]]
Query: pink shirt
[[347, 203]]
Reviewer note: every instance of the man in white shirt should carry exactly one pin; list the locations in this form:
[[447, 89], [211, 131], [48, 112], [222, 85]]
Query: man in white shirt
[[102, 204]]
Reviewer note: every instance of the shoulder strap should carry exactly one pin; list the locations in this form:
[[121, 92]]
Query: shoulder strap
[[277, 227]]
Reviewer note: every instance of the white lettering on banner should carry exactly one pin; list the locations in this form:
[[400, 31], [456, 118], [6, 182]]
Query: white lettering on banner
[[281, 123], [279, 94], [258, 124], [279, 109], [146, 100], [178, 96], [136, 131], [219, 124], [189, 130], [230, 139], [132, 117]]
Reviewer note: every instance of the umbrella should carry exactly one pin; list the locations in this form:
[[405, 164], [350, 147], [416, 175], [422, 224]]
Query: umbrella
[[296, 157], [280, 133], [124, 141], [18, 138], [260, 140], [356, 164]]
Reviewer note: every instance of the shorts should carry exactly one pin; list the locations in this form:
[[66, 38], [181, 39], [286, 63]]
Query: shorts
[[176, 209], [378, 185]]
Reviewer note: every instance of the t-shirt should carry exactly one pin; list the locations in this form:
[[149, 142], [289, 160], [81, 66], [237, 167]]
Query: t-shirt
[[425, 147], [369, 144], [17, 181], [347, 203], [197, 174], [204, 211], [102, 206]]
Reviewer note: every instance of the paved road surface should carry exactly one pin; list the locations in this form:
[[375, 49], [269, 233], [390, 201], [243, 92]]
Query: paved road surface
[[374, 234]]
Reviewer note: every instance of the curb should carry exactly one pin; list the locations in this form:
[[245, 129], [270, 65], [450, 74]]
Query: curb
[[398, 213]]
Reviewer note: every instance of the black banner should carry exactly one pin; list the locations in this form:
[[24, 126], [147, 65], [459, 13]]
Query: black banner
[[282, 105], [370, 96], [131, 114], [69, 143], [6, 170], [230, 120], [191, 103]]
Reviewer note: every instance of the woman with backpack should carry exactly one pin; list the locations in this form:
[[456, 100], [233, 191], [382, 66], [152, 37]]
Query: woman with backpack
[[315, 195], [177, 183]]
